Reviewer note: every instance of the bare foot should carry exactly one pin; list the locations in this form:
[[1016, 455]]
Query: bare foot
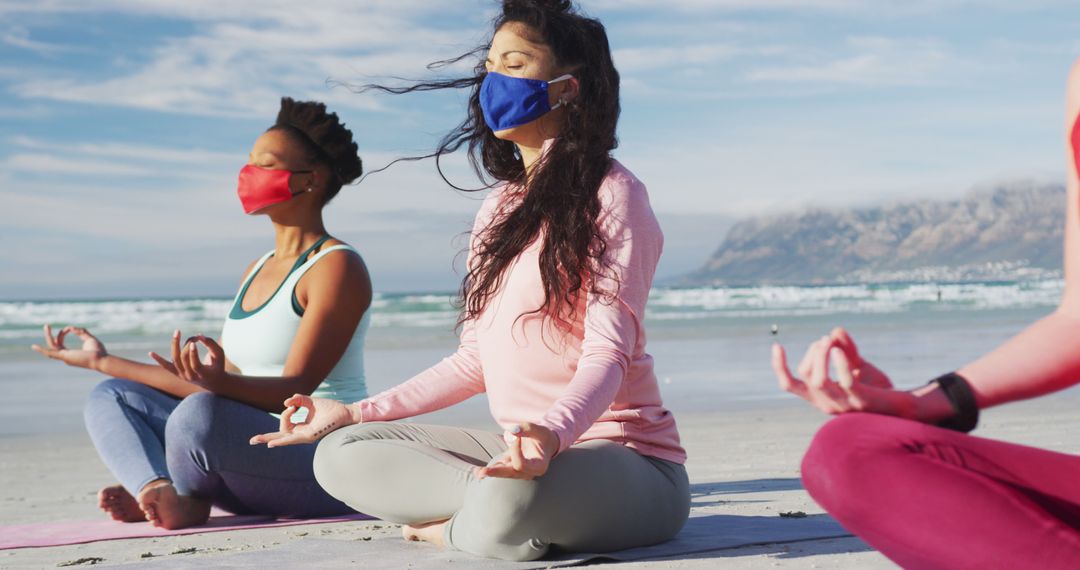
[[120, 505], [166, 508], [431, 532]]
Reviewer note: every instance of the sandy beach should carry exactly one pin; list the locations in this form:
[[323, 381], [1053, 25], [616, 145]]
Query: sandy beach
[[743, 463], [744, 438]]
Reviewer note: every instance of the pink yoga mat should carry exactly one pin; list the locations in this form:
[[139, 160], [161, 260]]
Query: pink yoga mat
[[79, 532]]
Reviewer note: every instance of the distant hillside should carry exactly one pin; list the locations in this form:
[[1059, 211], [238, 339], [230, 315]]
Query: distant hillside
[[990, 234]]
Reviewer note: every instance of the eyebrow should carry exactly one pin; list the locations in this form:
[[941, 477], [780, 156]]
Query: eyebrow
[[508, 52], [273, 157]]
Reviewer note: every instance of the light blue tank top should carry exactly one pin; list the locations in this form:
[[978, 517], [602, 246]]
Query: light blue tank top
[[258, 341]]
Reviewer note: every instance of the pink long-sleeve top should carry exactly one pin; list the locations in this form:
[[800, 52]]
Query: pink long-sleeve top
[[594, 381]]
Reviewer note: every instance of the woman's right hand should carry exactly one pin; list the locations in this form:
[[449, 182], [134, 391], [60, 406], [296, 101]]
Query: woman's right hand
[[89, 356], [324, 416], [859, 386]]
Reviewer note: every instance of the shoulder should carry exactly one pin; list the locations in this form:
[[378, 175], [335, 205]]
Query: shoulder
[[344, 258], [622, 185], [624, 198], [1072, 91], [342, 266], [491, 205], [1074, 77], [337, 271]]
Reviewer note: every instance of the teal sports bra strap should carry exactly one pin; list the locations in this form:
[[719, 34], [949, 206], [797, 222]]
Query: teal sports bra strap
[[238, 312], [304, 256]]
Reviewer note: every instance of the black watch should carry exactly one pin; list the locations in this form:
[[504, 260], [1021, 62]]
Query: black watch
[[965, 410]]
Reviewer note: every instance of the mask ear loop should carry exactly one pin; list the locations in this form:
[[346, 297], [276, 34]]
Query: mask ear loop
[[306, 190], [560, 102]]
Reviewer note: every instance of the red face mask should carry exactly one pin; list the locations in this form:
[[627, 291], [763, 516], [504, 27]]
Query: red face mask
[[261, 187]]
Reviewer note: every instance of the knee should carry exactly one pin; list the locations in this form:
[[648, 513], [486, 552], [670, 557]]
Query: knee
[[506, 502], [191, 424], [112, 388], [842, 454], [512, 517], [341, 458], [107, 392], [329, 463]]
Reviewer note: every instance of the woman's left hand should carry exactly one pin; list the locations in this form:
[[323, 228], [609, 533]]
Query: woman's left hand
[[187, 365], [529, 455]]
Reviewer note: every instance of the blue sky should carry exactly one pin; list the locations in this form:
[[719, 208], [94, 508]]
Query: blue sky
[[124, 122]]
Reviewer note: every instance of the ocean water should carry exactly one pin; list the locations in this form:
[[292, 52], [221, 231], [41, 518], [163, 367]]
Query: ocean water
[[415, 319], [711, 345]]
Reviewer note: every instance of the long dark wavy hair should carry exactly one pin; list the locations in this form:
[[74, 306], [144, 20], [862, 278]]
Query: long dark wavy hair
[[560, 198]]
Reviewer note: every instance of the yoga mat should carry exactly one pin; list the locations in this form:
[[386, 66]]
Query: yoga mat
[[79, 532], [702, 534]]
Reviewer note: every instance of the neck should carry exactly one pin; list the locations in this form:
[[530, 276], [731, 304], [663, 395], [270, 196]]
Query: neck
[[292, 237], [530, 155], [532, 139]]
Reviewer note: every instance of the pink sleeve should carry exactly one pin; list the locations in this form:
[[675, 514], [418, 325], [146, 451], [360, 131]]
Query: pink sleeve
[[456, 378], [613, 326], [1044, 357]]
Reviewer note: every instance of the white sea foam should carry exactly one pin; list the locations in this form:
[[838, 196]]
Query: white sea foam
[[762, 301], [135, 319]]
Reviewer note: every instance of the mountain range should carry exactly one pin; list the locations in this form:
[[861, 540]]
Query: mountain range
[[1004, 232]]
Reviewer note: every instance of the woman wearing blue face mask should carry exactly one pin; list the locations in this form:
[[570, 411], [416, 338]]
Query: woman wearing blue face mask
[[174, 434], [561, 260]]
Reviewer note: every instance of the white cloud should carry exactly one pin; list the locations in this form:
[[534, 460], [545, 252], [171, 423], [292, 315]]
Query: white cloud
[[243, 55], [51, 164], [97, 161], [19, 37], [140, 153], [725, 5], [635, 59], [875, 61], [24, 111], [883, 8]]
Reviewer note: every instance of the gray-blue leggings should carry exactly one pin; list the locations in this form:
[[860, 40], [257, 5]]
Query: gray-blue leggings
[[200, 443], [597, 496]]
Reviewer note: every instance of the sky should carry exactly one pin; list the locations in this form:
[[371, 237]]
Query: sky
[[123, 123]]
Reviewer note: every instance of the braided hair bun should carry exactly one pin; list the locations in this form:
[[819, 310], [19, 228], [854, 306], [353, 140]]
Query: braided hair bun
[[324, 138]]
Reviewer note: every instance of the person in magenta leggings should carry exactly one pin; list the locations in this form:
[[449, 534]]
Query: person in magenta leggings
[[898, 469]]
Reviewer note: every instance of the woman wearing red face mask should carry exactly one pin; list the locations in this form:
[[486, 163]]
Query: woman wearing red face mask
[[175, 433]]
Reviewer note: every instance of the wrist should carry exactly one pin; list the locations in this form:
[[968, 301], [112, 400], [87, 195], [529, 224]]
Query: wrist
[[961, 398], [930, 404], [356, 413], [101, 363], [553, 444]]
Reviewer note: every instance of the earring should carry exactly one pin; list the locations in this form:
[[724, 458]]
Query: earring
[[308, 189]]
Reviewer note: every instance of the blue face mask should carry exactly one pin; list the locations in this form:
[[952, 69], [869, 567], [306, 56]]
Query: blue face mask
[[509, 102]]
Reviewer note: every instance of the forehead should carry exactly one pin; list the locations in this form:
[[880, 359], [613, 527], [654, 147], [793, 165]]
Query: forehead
[[517, 37], [276, 143]]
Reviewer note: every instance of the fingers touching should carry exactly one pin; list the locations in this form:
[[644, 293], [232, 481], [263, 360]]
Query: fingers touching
[[788, 382], [828, 379]]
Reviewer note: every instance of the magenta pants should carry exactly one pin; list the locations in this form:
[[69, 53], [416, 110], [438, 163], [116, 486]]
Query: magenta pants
[[928, 497]]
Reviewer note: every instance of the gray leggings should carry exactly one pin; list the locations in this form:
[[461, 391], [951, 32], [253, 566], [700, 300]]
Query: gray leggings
[[597, 496]]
